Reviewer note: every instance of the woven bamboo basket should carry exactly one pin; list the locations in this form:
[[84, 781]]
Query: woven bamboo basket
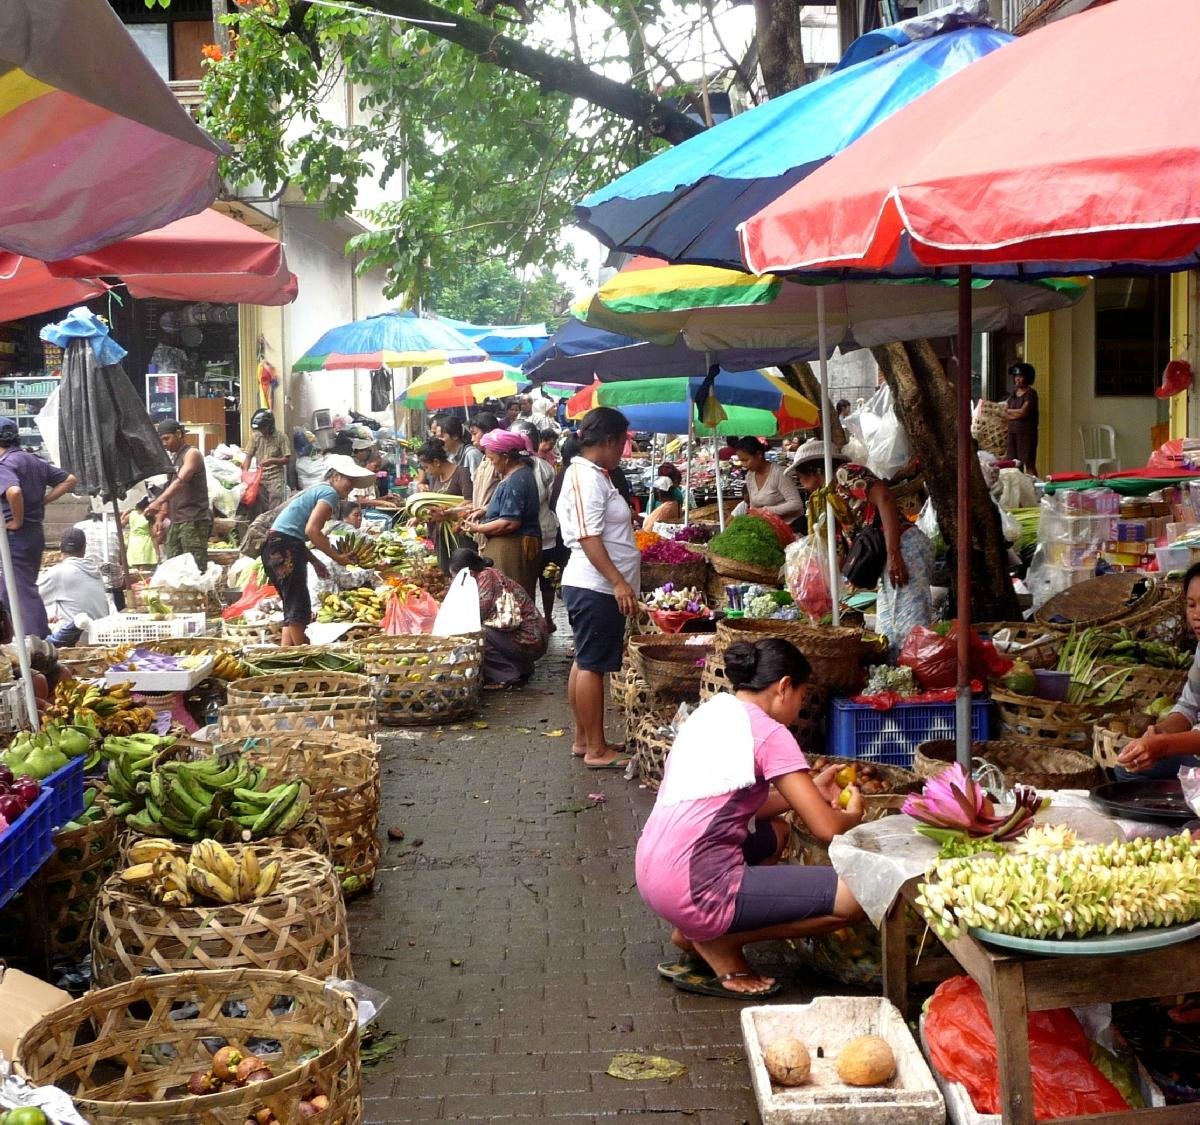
[[811, 721], [735, 571], [1165, 620], [86, 662], [1037, 645], [642, 701], [308, 835], [351, 714], [1024, 718], [650, 744], [420, 687], [342, 773], [710, 513], [990, 428], [1043, 767], [414, 643], [672, 669], [125, 1053], [1106, 745], [1145, 682], [193, 646], [835, 654], [619, 684], [138, 599], [713, 680], [714, 588], [301, 656], [223, 556], [299, 685], [258, 633], [1099, 600], [691, 573], [300, 926]]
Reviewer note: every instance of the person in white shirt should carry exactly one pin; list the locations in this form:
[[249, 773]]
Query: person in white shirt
[[72, 589], [601, 578]]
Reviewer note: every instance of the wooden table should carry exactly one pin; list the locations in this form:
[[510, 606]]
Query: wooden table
[[1015, 984]]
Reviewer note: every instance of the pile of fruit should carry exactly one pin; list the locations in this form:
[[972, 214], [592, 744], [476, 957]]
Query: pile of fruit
[[210, 872], [39, 755], [870, 782], [394, 548], [865, 1061], [232, 1067], [110, 710], [363, 606], [192, 800], [361, 550], [226, 666], [16, 795]]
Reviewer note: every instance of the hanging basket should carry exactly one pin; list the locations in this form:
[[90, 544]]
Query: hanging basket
[[833, 653], [125, 1053], [421, 686], [734, 571], [300, 925], [1043, 767], [298, 685], [342, 772]]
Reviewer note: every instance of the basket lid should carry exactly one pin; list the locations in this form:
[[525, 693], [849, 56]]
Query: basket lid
[[1100, 599]]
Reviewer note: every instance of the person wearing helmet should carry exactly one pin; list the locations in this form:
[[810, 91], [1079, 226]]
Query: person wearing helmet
[[270, 451]]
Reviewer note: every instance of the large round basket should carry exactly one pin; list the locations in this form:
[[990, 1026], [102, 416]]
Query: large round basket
[[256, 633], [302, 658], [1037, 645], [83, 859], [734, 571], [1099, 600], [125, 1053], [1143, 682], [1023, 763], [299, 685], [139, 599], [350, 714], [300, 925], [424, 683], [835, 654], [342, 772], [811, 720], [650, 744], [672, 670], [690, 573], [1024, 718]]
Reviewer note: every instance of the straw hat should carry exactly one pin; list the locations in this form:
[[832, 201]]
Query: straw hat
[[814, 450]]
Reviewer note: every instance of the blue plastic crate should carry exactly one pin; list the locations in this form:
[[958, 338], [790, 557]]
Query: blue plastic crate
[[67, 784], [891, 737], [26, 845]]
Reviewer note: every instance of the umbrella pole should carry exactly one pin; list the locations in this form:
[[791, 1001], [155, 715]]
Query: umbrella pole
[[687, 468], [18, 624], [827, 438], [962, 714], [122, 557], [717, 470]]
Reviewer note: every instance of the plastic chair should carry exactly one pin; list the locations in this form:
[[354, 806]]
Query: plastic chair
[[1099, 448]]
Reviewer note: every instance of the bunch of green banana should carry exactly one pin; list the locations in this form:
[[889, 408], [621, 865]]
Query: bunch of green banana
[[362, 605], [269, 812], [92, 811], [130, 763], [360, 549]]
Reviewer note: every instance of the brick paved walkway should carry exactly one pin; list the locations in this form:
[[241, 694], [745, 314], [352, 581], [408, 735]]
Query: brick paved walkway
[[507, 928]]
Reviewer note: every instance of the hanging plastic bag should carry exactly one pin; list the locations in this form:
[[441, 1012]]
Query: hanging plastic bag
[[410, 613], [252, 594], [888, 450], [927, 522], [460, 607], [252, 482], [962, 1047], [806, 571]]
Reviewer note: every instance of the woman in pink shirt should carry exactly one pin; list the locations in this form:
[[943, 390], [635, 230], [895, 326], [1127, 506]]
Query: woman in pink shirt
[[706, 858]]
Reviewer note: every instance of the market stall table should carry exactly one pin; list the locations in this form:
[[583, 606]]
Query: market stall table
[[1015, 985]]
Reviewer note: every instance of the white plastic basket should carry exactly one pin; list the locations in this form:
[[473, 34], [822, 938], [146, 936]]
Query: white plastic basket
[[133, 628], [182, 680], [12, 714]]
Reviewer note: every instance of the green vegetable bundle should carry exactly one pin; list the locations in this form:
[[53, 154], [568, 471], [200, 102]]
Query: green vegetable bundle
[[751, 540], [420, 504]]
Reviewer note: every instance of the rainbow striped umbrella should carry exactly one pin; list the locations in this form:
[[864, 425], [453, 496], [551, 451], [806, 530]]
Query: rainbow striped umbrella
[[390, 339], [96, 147], [461, 384]]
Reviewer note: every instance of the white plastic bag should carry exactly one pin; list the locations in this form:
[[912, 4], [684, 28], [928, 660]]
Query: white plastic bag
[[460, 607], [1016, 490], [887, 445], [927, 522], [182, 573]]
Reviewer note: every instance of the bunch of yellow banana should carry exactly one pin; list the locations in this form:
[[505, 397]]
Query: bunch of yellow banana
[[111, 709], [226, 666], [208, 872], [363, 606]]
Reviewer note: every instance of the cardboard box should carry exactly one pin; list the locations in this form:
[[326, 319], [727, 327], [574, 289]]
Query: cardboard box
[[23, 1001]]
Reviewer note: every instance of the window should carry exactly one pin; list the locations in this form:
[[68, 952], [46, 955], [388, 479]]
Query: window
[[155, 43], [1133, 333]]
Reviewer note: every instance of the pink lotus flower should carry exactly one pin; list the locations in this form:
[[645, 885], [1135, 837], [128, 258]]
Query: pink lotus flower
[[953, 804]]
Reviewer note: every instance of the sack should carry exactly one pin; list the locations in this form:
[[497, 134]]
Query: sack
[[415, 613], [989, 427], [460, 607], [252, 482], [866, 559], [506, 614]]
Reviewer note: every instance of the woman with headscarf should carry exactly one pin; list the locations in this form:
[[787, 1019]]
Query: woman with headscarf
[[515, 635], [512, 533]]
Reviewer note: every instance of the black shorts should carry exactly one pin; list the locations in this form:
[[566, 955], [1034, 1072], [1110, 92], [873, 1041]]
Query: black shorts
[[772, 896], [599, 629], [285, 560]]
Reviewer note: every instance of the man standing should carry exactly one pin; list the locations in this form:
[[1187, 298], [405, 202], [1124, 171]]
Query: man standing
[[271, 451], [72, 589], [28, 484], [185, 499]]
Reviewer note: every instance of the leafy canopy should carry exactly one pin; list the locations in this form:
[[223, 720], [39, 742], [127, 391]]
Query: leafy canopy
[[492, 293]]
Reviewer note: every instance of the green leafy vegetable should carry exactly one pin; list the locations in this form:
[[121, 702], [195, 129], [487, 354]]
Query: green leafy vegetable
[[750, 540]]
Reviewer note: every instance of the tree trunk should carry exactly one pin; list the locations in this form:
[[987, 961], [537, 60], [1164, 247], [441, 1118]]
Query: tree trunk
[[926, 407], [780, 51], [804, 379]]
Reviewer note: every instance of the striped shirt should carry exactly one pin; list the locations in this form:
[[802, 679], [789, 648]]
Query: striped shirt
[[589, 506]]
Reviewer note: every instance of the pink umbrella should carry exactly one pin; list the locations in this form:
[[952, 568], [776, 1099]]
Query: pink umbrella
[[27, 288]]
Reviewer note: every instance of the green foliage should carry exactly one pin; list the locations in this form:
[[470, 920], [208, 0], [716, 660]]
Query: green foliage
[[492, 293], [750, 540]]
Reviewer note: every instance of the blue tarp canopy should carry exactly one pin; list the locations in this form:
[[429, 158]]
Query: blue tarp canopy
[[506, 343]]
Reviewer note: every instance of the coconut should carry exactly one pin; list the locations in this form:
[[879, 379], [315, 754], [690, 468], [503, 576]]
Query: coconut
[[866, 1061], [787, 1061]]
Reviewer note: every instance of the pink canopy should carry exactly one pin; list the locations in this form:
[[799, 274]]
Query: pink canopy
[[1074, 147], [27, 288]]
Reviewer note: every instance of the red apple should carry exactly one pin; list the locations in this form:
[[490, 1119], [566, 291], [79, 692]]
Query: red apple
[[27, 788], [11, 806], [6, 776]]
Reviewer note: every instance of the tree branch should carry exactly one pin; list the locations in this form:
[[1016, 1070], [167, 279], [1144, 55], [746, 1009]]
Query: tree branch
[[552, 72]]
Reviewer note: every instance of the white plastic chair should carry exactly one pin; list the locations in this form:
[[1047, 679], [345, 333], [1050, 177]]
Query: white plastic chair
[[1099, 448]]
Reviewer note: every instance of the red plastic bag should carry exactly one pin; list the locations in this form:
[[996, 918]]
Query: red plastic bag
[[962, 1047], [251, 596], [934, 658], [413, 613], [672, 620], [252, 482]]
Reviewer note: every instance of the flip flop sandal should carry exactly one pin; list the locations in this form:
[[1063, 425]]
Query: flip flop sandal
[[669, 970], [709, 985], [618, 763]]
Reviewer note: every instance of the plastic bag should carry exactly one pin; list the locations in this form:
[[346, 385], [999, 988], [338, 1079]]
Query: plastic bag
[[415, 613], [251, 481], [460, 607], [806, 571], [888, 450], [934, 658], [927, 522], [181, 573], [1016, 490], [962, 1046], [252, 594]]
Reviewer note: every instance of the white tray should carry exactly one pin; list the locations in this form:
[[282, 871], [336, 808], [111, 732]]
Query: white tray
[[183, 680], [825, 1026]]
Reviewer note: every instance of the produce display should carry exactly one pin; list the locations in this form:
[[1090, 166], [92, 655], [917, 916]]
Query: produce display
[[147, 660], [359, 547], [233, 1067], [190, 800], [888, 677], [39, 755], [281, 661], [226, 666], [109, 710], [1079, 657], [16, 795], [364, 606], [668, 551], [1071, 891], [865, 775], [695, 533], [686, 599], [209, 872], [762, 602], [751, 540], [1136, 724], [1125, 648]]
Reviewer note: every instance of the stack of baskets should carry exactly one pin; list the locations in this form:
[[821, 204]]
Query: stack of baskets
[[422, 680], [671, 664], [299, 701]]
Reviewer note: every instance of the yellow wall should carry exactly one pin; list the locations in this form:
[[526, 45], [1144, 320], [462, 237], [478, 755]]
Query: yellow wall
[[1184, 328]]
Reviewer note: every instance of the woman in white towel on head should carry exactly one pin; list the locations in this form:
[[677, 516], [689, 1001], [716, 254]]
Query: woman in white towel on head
[[706, 857]]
